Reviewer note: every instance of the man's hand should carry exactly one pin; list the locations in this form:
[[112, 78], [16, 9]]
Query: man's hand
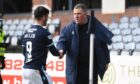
[[61, 54]]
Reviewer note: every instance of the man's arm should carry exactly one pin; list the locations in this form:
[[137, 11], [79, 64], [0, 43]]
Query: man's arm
[[62, 42]]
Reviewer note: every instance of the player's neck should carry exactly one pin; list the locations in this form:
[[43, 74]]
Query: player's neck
[[37, 22]]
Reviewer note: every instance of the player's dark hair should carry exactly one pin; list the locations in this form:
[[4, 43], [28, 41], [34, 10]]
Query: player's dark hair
[[40, 11]]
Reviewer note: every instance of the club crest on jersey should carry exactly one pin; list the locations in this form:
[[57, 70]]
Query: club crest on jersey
[[49, 37]]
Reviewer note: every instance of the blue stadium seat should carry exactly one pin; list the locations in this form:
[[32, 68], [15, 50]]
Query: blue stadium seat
[[23, 22], [119, 46], [116, 31], [136, 31], [5, 27], [30, 21], [12, 27], [133, 25], [8, 22], [113, 26], [137, 47], [18, 33], [127, 38], [136, 38], [117, 38], [15, 21], [124, 19], [134, 19], [20, 27], [10, 32], [130, 47], [124, 26], [126, 32]]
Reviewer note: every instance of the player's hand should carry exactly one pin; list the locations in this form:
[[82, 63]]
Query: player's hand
[[61, 54]]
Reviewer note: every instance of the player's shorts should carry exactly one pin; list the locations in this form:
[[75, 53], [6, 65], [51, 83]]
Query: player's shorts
[[32, 76]]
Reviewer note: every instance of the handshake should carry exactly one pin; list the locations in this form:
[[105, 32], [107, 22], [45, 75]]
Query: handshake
[[61, 54]]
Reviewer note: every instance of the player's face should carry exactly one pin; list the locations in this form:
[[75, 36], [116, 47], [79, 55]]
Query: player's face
[[79, 16], [45, 18]]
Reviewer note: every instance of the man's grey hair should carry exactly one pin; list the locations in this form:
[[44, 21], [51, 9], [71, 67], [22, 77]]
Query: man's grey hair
[[80, 5]]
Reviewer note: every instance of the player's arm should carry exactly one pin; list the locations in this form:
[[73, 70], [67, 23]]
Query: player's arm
[[53, 50], [50, 45]]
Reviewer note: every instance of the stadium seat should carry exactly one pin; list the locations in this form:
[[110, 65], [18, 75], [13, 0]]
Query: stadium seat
[[123, 26], [124, 19], [126, 32], [18, 33], [136, 31], [130, 47], [27, 26], [118, 47], [30, 21], [14, 41], [10, 32], [137, 47], [116, 31], [20, 27], [5, 27], [136, 39], [23, 21], [12, 27], [127, 38], [133, 25], [113, 26], [117, 38], [8, 22], [134, 19], [3, 21], [16, 22]]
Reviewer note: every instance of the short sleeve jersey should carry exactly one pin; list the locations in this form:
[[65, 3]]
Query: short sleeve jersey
[[35, 42]]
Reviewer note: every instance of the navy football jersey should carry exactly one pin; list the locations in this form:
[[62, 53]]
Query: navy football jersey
[[36, 42]]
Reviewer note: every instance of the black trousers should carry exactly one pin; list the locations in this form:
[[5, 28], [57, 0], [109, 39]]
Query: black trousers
[[83, 76]]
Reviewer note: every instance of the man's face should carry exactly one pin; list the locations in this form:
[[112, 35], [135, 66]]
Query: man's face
[[79, 16]]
